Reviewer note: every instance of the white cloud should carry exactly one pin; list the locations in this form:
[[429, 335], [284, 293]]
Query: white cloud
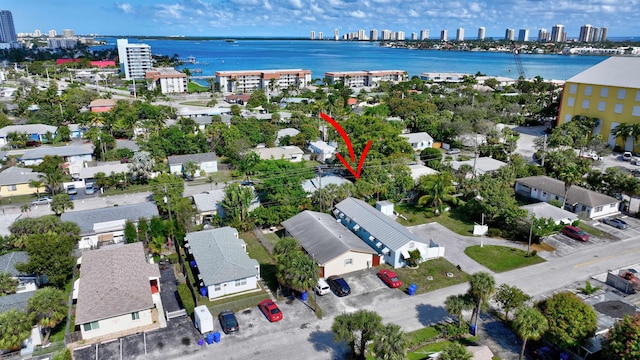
[[125, 8], [297, 4], [475, 7], [267, 5], [413, 13], [170, 11], [358, 14]]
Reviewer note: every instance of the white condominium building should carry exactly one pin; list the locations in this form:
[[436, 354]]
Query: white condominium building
[[135, 59], [168, 79], [249, 80], [481, 33], [366, 78]]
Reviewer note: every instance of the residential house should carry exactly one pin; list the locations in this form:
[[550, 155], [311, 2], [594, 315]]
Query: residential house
[[168, 79], [336, 249], [443, 77], [119, 293], [207, 162], [102, 105], [418, 170], [419, 141], [105, 226], [208, 204], [582, 201], [290, 153], [35, 132], [192, 112], [77, 130], [8, 263], [482, 165], [312, 185], [221, 263], [608, 91], [543, 210], [75, 156], [238, 99], [290, 132], [16, 181], [384, 234], [323, 150], [127, 144], [88, 174]]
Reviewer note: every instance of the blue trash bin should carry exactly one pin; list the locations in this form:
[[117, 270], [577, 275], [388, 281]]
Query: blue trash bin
[[201, 342], [209, 338], [472, 330], [411, 290], [304, 296], [203, 291], [216, 337]]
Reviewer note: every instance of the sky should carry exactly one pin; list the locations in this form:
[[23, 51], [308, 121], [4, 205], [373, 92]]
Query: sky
[[297, 18]]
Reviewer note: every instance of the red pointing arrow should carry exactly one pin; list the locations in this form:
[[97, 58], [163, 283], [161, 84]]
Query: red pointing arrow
[[345, 137]]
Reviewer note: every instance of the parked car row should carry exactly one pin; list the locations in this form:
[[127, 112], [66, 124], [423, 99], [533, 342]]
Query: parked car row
[[340, 287]]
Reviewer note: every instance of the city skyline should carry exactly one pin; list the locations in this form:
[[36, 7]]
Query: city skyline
[[296, 18]]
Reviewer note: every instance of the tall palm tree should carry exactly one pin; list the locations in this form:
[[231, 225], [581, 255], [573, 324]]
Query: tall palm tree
[[482, 286], [529, 323], [61, 203], [570, 174], [49, 307], [356, 329], [15, 327], [437, 190], [52, 180], [456, 304], [622, 131], [390, 343], [37, 184]]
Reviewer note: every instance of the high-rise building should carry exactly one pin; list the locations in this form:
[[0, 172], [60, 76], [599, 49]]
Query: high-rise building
[[361, 35], [386, 35], [509, 34], [37, 32], [67, 34], [414, 36], [593, 34], [424, 34], [135, 59], [523, 35], [603, 34], [543, 35], [481, 33], [52, 33], [313, 35], [585, 33], [460, 34], [336, 35], [556, 33], [373, 35], [444, 35], [320, 35], [400, 36], [7, 29]]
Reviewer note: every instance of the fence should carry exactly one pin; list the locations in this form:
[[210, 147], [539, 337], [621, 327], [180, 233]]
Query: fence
[[263, 240], [176, 314]]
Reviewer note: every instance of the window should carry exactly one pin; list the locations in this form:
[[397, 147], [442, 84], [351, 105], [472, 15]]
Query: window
[[241, 282], [217, 287], [604, 92], [586, 104], [587, 90], [602, 105], [348, 262], [571, 101], [613, 205], [599, 208], [573, 89], [11, 187], [636, 111], [135, 315], [622, 93], [91, 326], [638, 95], [568, 117], [618, 109]]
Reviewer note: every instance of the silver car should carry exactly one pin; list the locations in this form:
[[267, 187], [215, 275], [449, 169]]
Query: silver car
[[42, 200], [616, 223]]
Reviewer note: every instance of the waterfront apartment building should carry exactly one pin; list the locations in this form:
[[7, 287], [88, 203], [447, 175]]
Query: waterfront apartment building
[[543, 35], [320, 35], [585, 33], [336, 35], [481, 33], [444, 35], [460, 34], [509, 34], [609, 91], [414, 36], [52, 33], [400, 35], [523, 35], [239, 81], [366, 78], [313, 35], [373, 35], [424, 34], [168, 79], [135, 59], [603, 34], [558, 34], [68, 34], [386, 34], [7, 28]]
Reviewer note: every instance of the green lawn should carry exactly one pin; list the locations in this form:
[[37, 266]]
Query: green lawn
[[595, 231], [437, 269], [195, 103], [195, 87], [258, 252], [501, 258], [453, 220]]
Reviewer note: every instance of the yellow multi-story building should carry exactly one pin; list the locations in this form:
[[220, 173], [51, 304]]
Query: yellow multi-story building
[[609, 91]]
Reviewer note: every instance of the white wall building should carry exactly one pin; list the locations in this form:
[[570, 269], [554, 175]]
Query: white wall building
[[169, 80], [135, 59]]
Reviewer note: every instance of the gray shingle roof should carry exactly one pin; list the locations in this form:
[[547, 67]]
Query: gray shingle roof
[[196, 158], [15, 301], [208, 201], [18, 175], [114, 281], [39, 129], [87, 218], [8, 262], [615, 71], [323, 237], [382, 227], [576, 194], [71, 150], [417, 137], [220, 257]]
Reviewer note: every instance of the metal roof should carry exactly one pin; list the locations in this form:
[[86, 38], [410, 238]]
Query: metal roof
[[576, 194], [8, 262], [382, 227], [220, 256], [40, 129], [323, 237], [615, 71], [114, 281], [86, 219], [70, 150], [196, 158]]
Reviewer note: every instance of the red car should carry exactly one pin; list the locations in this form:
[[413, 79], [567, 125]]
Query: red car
[[270, 310], [390, 278]]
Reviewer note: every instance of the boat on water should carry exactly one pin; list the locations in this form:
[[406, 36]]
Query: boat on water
[[230, 40]]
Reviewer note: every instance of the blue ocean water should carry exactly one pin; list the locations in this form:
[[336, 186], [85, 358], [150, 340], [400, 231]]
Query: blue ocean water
[[324, 56]]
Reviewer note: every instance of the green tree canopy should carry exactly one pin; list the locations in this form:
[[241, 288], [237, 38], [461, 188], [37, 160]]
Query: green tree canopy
[[571, 321], [50, 255], [529, 324], [356, 330], [49, 307], [15, 328], [510, 298], [623, 340], [455, 351]]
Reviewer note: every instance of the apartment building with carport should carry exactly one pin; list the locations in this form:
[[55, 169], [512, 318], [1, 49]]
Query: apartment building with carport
[[336, 249]]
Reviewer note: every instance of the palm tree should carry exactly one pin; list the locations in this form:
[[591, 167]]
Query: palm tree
[[60, 203], [7, 284], [356, 329], [529, 324], [15, 327], [25, 209], [482, 286], [237, 201], [390, 343], [622, 131], [570, 174], [52, 180], [437, 190], [37, 184], [455, 351], [49, 307], [456, 304]]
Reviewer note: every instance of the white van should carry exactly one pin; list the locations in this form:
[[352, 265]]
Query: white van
[[322, 288], [89, 189]]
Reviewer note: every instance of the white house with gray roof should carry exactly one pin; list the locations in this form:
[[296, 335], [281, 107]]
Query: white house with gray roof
[[384, 234], [579, 200], [105, 226], [336, 249], [119, 293], [8, 263], [289, 153], [35, 132], [324, 150], [221, 263], [419, 141], [75, 156], [207, 162]]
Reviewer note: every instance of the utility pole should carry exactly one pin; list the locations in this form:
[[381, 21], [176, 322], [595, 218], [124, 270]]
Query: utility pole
[[544, 149], [482, 237], [530, 234]]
